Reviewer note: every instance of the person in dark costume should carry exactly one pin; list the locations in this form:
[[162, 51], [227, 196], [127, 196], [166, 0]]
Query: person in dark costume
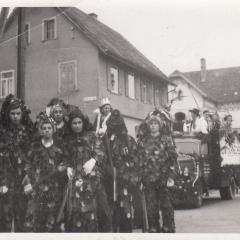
[[178, 124], [16, 133], [123, 150], [85, 160], [158, 159], [44, 200]]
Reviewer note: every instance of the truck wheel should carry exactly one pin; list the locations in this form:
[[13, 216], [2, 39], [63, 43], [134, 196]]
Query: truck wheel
[[230, 191], [222, 193], [198, 201]]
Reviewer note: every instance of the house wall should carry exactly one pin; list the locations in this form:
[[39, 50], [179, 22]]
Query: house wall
[[8, 52], [187, 102], [134, 110], [43, 58]]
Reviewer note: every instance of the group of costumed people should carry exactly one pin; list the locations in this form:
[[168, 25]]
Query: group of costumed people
[[63, 169], [204, 124]]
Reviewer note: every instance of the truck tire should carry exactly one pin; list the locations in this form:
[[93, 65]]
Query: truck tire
[[198, 201], [230, 191], [222, 193]]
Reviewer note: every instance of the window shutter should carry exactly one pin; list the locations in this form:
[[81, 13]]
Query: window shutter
[[151, 92], [141, 90], [126, 85], [120, 81], [165, 94], [136, 86], [109, 85], [155, 94]]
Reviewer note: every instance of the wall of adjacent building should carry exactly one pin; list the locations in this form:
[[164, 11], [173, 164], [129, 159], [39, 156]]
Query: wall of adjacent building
[[133, 110]]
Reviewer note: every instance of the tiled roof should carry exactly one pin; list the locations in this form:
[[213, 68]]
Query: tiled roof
[[221, 84], [111, 42]]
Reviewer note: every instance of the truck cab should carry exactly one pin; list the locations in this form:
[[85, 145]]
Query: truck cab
[[201, 170]]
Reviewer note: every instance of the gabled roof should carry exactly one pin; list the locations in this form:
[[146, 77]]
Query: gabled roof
[[195, 85], [111, 42], [220, 84]]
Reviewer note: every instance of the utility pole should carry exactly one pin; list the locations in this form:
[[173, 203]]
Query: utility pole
[[21, 54]]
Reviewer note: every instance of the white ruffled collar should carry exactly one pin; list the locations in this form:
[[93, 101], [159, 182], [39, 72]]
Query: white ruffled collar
[[47, 144]]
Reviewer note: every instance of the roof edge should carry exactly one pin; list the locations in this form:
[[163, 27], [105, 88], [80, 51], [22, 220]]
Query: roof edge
[[179, 74], [104, 51]]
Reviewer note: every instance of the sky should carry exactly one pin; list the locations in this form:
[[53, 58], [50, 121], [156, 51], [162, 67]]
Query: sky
[[172, 34]]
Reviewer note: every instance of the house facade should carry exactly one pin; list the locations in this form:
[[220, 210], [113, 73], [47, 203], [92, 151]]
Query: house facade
[[214, 90], [66, 53]]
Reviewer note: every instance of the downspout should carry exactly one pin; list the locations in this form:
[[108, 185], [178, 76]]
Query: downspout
[[21, 56]]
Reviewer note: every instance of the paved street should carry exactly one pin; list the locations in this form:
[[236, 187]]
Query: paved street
[[215, 216]]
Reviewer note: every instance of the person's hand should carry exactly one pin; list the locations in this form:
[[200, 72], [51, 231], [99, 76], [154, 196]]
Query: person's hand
[[61, 167], [88, 166], [28, 188], [141, 187], [3, 189], [79, 183], [170, 182], [70, 173]]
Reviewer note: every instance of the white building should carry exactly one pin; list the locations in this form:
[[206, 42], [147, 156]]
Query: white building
[[215, 90]]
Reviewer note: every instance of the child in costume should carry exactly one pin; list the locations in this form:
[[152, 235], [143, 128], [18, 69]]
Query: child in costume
[[16, 135], [123, 150], [158, 160], [45, 199], [85, 159]]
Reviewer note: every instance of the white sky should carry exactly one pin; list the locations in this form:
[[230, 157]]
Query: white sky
[[173, 34]]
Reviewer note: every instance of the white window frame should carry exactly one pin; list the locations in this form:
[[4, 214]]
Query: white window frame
[[13, 83], [133, 90], [59, 74], [29, 39], [44, 25], [116, 85]]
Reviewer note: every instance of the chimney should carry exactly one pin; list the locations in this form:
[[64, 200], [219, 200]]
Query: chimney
[[93, 15], [203, 70]]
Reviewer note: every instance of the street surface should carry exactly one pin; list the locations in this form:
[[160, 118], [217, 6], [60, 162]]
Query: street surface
[[215, 216]]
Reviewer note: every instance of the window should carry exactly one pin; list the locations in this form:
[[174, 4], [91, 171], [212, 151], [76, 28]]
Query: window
[[67, 76], [27, 32], [114, 79], [49, 29], [131, 86], [7, 83]]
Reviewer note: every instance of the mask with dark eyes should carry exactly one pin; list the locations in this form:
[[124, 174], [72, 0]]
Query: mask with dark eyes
[[116, 124]]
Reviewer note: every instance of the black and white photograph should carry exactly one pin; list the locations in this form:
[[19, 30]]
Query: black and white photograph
[[119, 118]]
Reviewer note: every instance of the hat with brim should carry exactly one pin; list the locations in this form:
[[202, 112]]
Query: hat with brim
[[196, 111], [180, 116], [206, 111]]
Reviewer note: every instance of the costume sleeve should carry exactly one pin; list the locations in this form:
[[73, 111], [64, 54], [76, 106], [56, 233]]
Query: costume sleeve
[[134, 168], [98, 153], [5, 170], [29, 165], [66, 156]]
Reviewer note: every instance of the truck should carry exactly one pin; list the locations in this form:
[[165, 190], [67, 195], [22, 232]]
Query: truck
[[205, 163]]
